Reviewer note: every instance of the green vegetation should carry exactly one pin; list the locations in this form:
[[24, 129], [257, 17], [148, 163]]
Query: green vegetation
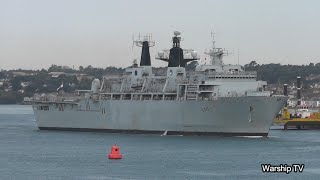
[[277, 73], [15, 87]]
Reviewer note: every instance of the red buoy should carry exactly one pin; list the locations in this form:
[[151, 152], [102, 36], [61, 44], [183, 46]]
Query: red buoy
[[115, 152]]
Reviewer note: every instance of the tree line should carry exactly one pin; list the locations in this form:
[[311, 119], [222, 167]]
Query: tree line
[[277, 73]]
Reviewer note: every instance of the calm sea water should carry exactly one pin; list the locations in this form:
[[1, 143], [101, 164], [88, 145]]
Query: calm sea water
[[26, 153]]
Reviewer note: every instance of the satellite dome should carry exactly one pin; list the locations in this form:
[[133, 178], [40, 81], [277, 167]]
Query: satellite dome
[[194, 54], [176, 33], [134, 61], [160, 53], [95, 85]]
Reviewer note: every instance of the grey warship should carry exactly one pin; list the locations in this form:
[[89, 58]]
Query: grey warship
[[215, 99]]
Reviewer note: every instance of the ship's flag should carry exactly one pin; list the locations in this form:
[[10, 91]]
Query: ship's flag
[[61, 87]]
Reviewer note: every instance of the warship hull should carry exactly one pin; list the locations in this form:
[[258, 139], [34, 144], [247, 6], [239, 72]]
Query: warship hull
[[235, 116]]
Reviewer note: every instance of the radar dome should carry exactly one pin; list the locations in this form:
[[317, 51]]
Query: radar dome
[[134, 61], [194, 54], [160, 53], [176, 33]]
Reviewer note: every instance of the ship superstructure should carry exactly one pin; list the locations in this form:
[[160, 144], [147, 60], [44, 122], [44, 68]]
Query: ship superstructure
[[213, 99]]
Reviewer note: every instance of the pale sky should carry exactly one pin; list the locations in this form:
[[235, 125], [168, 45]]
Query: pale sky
[[37, 33]]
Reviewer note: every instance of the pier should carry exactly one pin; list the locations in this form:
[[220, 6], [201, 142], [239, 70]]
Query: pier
[[298, 123]]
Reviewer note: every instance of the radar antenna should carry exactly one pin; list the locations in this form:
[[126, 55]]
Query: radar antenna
[[216, 54], [145, 42], [176, 56]]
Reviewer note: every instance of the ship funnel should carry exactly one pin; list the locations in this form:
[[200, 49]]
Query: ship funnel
[[285, 89], [299, 90], [285, 92], [176, 56]]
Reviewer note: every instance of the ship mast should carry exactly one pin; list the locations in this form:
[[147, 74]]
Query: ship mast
[[216, 54], [176, 56], [145, 42]]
